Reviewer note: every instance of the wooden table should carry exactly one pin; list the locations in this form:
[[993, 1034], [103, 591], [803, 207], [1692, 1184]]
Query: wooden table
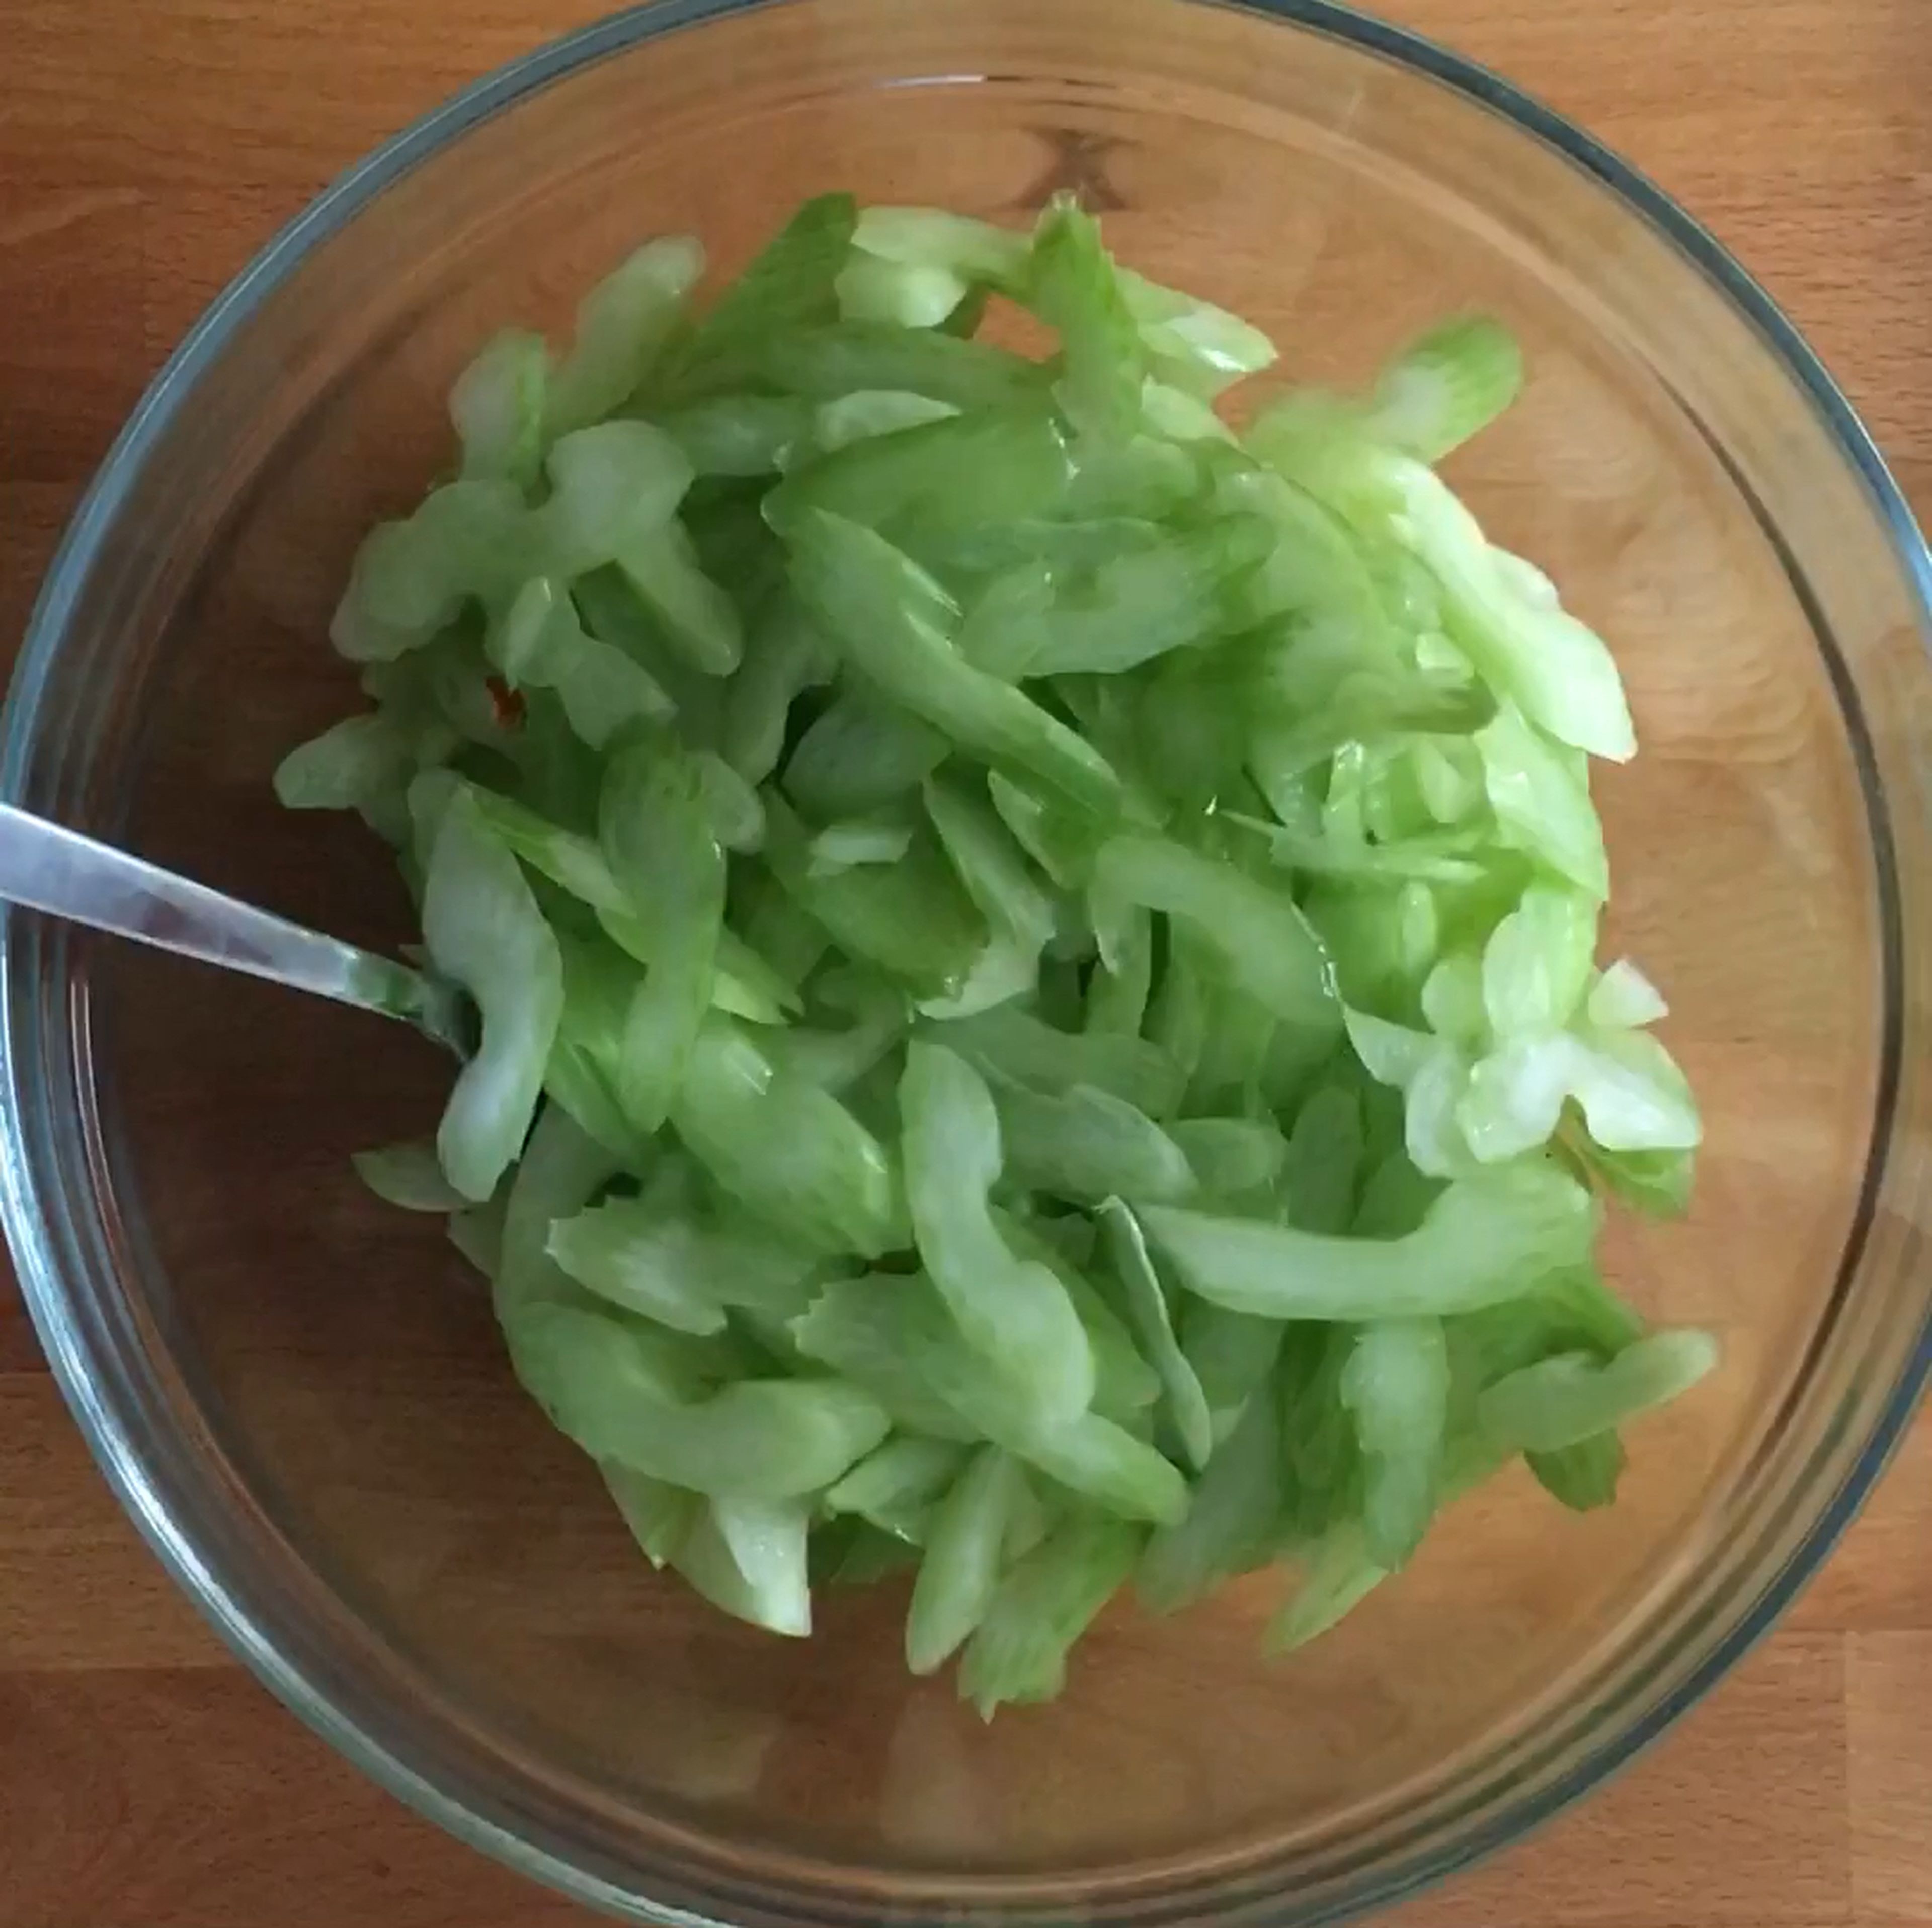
[[146, 147]]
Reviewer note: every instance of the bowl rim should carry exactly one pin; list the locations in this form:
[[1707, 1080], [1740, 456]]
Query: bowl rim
[[46, 1296]]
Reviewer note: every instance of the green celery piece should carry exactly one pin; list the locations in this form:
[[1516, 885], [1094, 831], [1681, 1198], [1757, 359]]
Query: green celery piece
[[408, 1175], [658, 837], [1320, 1453], [1019, 1652], [1180, 415], [481, 927], [1231, 1158], [660, 1516], [747, 1556], [625, 1394], [1013, 1044], [1015, 1312], [1383, 938], [910, 918], [1338, 1573], [904, 294], [613, 487], [1396, 1384], [897, 1487], [937, 487], [539, 644], [1233, 1515], [1632, 1096], [670, 1266], [866, 412], [859, 754], [856, 1554], [738, 435], [891, 1333], [975, 250], [1197, 346], [844, 846], [623, 325], [1657, 1184], [1487, 1239], [894, 624], [1562, 1400], [1084, 1145], [784, 656], [1322, 1165], [961, 1571], [562, 1170], [467, 541], [1117, 992], [1021, 914], [1621, 998], [1061, 843], [822, 363], [1072, 285], [786, 1148], [498, 407], [351, 766], [1447, 384], [695, 615], [1540, 794], [791, 285], [835, 1061], [1260, 942], [1582, 1477], [1147, 1300], [1536, 966]]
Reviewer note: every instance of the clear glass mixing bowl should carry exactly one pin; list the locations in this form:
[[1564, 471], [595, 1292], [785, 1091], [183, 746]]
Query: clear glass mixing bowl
[[299, 1393]]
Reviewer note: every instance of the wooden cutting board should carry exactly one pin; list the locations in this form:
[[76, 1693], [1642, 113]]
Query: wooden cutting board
[[147, 146]]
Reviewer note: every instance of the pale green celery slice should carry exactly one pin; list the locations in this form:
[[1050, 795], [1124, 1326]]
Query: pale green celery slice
[[696, 615], [1014, 1044], [738, 435], [562, 1170], [623, 325], [867, 413], [747, 1556], [350, 765], [836, 1060], [859, 754], [658, 838], [668, 1266], [538, 643], [1231, 1157], [1322, 1163], [1582, 1476], [1536, 965], [498, 407], [784, 656], [823, 364], [1446, 386], [1060, 842], [897, 1486], [844, 845], [1454, 1005], [1487, 1239], [1197, 344], [1072, 285], [1085, 1144], [1621, 998], [937, 238], [1338, 1573], [1015, 1312], [468, 541], [625, 1393], [660, 1516], [965, 1550], [1019, 1652], [481, 927], [892, 1333], [1562, 1400], [409, 1175], [789, 285], [1179, 415], [905, 293], [895, 623], [1258, 938], [1117, 992], [612, 485], [785, 1147], [1022, 917], [1632, 1097], [909, 919], [1396, 1384], [1233, 1515], [477, 1233], [1540, 794], [1187, 1406]]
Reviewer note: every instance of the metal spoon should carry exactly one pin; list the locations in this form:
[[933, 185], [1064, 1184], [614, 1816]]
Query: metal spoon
[[50, 868]]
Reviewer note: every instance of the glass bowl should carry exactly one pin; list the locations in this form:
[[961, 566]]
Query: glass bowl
[[299, 1393]]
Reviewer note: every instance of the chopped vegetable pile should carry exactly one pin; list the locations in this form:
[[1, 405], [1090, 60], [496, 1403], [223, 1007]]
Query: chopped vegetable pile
[[1035, 953]]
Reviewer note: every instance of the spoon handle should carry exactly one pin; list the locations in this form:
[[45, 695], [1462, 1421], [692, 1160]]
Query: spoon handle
[[48, 867]]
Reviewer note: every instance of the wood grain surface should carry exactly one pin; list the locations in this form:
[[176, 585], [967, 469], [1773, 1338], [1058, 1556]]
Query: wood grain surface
[[147, 146]]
